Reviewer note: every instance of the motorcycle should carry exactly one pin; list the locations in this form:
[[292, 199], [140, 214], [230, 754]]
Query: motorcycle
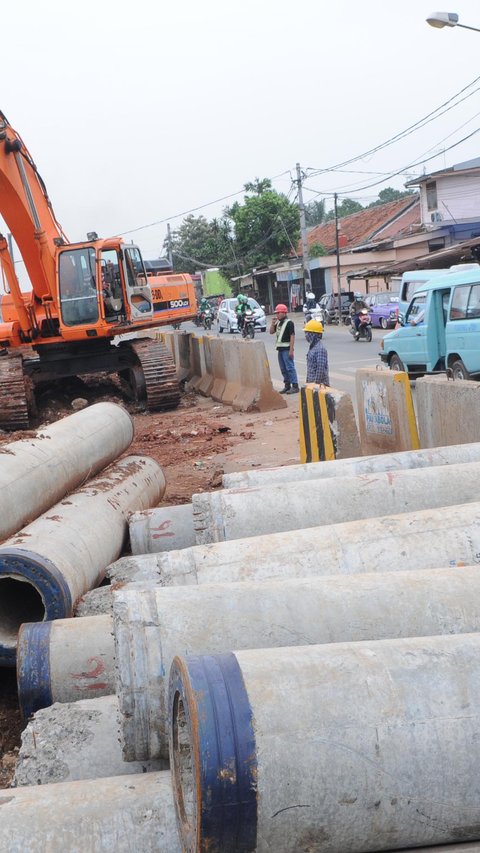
[[248, 328], [316, 313], [207, 319], [364, 327]]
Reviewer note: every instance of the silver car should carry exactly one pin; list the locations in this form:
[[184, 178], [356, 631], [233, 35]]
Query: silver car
[[227, 318]]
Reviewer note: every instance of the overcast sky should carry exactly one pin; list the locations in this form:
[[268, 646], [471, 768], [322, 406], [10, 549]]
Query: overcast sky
[[136, 112]]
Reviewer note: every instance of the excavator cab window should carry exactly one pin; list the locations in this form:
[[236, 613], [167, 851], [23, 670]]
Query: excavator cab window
[[77, 287], [112, 292]]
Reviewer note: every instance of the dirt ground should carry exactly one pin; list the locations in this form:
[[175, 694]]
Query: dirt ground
[[195, 444]]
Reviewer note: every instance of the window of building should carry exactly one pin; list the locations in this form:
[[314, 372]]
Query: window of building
[[431, 189]]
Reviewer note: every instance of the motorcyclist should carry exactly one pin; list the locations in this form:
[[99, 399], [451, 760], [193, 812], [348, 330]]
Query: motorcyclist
[[240, 310], [310, 301], [358, 305], [203, 306]]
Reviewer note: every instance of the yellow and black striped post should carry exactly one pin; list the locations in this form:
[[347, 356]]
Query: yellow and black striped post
[[317, 441]]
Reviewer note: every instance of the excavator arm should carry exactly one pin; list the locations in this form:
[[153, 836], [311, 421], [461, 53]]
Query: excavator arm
[[28, 213]]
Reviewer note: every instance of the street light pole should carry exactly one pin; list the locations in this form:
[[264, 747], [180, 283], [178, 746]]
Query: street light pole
[[337, 247], [303, 233], [447, 19]]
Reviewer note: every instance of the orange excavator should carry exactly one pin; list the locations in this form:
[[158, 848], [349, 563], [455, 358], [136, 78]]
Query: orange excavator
[[84, 296]]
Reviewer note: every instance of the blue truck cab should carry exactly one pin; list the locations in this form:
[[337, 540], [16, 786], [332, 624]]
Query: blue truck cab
[[441, 328]]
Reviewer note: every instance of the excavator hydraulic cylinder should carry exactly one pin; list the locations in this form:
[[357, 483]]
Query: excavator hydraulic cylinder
[[53, 561], [351, 746]]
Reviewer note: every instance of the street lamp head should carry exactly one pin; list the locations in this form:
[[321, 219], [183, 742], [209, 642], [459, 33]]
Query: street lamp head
[[443, 19]]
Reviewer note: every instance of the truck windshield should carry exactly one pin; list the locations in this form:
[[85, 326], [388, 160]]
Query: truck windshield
[[77, 287]]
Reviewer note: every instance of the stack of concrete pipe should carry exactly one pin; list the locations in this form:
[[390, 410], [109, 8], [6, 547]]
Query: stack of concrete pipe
[[365, 687], [48, 564]]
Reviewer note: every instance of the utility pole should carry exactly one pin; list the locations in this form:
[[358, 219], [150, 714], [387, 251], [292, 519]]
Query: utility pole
[[169, 245], [303, 232], [337, 246]]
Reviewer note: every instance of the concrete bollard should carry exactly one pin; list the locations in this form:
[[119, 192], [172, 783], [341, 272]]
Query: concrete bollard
[[152, 624], [236, 513], [37, 472], [451, 455], [53, 561], [347, 746], [63, 661], [122, 813], [447, 412], [75, 740], [162, 528]]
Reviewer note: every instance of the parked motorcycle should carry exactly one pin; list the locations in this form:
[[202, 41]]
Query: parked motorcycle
[[248, 328], [207, 319], [364, 327]]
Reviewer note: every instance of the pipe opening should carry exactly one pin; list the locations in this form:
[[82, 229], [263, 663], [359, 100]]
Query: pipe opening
[[183, 771], [19, 602]]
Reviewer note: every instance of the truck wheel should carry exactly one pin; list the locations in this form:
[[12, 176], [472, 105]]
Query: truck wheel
[[459, 371], [396, 363]]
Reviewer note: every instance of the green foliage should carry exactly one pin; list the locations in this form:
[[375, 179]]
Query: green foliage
[[260, 230], [316, 250], [390, 194], [346, 207], [266, 226], [315, 213]]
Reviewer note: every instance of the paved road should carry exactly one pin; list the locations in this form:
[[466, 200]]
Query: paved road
[[344, 354]]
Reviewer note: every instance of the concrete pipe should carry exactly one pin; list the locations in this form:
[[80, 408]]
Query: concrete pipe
[[76, 740], [426, 539], [121, 814], [63, 661], [37, 472], [451, 455], [53, 561], [233, 514], [347, 747], [162, 528], [151, 624]]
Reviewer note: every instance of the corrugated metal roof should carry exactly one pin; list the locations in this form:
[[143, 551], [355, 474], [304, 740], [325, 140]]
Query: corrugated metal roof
[[467, 250]]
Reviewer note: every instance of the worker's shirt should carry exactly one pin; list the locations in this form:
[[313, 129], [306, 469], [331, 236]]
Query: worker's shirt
[[284, 331], [317, 364]]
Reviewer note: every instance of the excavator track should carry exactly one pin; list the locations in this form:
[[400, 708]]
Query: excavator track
[[153, 378], [14, 394]]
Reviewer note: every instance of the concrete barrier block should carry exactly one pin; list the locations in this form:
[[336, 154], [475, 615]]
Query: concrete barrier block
[[233, 354], [217, 351], [328, 429], [205, 385], [385, 412], [256, 391], [448, 412], [181, 354], [197, 362]]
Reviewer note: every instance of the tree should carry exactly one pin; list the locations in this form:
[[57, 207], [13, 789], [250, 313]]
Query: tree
[[345, 208], [316, 250], [390, 194], [315, 212], [199, 243], [266, 225]]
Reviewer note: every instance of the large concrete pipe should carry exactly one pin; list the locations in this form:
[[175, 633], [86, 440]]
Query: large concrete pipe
[[76, 740], [162, 528], [152, 624], [426, 539], [53, 561], [121, 814], [451, 455], [37, 472], [235, 513], [344, 747], [63, 661]]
